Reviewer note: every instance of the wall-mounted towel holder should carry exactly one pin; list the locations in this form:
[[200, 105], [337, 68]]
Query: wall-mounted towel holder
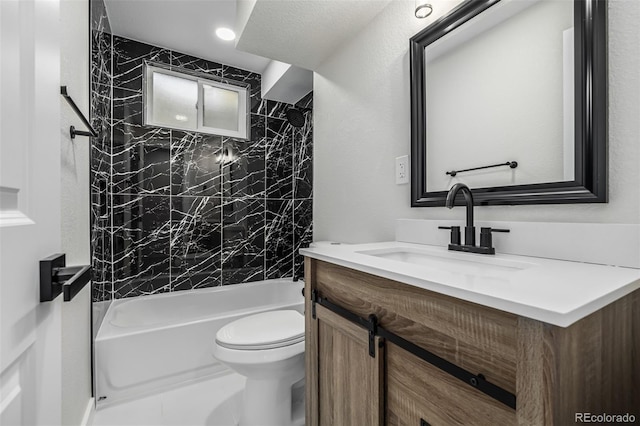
[[512, 164], [56, 278], [72, 130]]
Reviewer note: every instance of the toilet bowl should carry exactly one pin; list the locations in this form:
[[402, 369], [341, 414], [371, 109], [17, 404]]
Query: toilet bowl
[[268, 349]]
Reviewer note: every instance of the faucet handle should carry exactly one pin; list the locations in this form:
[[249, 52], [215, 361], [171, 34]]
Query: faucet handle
[[499, 230], [455, 233], [485, 236]]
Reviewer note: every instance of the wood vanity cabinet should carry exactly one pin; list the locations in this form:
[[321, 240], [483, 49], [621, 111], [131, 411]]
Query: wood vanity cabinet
[[554, 372]]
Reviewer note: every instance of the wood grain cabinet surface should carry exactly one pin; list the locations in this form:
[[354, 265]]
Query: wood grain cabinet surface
[[593, 366]]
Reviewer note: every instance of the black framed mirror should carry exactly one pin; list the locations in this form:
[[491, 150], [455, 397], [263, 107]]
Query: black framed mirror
[[558, 141]]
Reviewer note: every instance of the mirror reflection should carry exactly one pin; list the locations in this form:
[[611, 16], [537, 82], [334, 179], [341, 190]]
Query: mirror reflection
[[498, 89]]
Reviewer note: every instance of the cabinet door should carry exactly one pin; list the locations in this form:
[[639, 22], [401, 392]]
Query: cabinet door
[[348, 380], [420, 394]]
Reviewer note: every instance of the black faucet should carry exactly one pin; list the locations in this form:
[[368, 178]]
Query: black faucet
[[469, 230]]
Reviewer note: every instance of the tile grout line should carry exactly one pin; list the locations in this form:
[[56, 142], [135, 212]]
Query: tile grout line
[[222, 143], [293, 203], [222, 181], [109, 197], [264, 212], [170, 200]]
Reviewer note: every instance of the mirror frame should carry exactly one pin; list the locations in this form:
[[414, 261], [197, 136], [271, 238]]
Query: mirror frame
[[591, 132]]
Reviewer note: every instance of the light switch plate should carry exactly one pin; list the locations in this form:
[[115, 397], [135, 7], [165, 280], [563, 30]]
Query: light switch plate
[[402, 170]]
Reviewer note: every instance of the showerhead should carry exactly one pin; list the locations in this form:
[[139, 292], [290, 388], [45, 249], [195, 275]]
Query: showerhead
[[295, 116]]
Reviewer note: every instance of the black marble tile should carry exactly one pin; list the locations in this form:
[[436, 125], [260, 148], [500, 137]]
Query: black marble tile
[[140, 154], [243, 240], [99, 18], [258, 105], [302, 161], [101, 149], [100, 119], [191, 63], [100, 105], [176, 210], [101, 203], [306, 101], [302, 232], [243, 169], [101, 261], [101, 291], [128, 60], [279, 239], [196, 241], [196, 164], [141, 160], [141, 231], [277, 109], [279, 159], [100, 59], [100, 163], [242, 275], [127, 107], [239, 75]]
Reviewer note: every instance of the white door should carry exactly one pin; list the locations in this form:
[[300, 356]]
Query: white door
[[29, 210]]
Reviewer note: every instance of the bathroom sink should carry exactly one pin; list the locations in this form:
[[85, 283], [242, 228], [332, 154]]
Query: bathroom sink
[[462, 263]]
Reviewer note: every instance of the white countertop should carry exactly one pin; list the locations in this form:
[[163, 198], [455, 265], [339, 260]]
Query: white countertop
[[554, 291]]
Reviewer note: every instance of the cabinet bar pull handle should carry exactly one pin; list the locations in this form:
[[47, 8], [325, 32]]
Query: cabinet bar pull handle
[[371, 324]]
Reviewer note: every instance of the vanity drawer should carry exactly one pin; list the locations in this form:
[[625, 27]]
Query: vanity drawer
[[417, 391], [481, 340]]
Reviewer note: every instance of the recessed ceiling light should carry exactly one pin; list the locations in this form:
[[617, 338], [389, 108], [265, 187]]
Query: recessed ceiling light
[[225, 33]]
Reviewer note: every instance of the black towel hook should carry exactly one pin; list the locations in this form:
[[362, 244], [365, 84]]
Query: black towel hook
[[72, 130]]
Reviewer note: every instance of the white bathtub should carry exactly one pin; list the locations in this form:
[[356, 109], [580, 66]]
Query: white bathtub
[[147, 344]]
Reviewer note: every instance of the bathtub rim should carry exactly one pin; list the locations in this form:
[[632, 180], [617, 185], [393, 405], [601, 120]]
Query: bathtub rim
[[109, 331]]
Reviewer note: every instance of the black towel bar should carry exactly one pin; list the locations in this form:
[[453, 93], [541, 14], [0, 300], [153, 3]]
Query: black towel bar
[[56, 278], [72, 129], [512, 164]]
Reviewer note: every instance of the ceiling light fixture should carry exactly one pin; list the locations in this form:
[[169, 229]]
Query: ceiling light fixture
[[226, 34], [423, 9]]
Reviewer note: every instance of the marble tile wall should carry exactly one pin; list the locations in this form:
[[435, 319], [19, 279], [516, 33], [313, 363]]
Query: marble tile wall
[[100, 116], [176, 210]]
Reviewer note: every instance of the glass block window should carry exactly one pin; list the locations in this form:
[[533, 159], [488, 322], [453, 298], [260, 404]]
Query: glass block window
[[189, 102]]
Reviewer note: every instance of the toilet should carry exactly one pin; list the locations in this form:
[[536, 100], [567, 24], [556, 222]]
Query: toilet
[[268, 349]]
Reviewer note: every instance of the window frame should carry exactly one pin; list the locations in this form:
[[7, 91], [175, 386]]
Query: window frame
[[244, 122]]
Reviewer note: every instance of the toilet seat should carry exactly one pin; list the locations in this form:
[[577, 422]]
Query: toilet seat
[[267, 349], [266, 330]]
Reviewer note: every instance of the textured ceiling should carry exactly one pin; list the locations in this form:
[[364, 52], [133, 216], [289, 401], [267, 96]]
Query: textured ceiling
[[184, 25], [304, 32]]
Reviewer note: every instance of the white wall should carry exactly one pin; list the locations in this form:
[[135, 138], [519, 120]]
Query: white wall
[[494, 82], [76, 319], [362, 122], [285, 82]]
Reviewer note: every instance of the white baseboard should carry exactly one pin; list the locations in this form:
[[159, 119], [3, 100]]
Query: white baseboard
[[87, 419]]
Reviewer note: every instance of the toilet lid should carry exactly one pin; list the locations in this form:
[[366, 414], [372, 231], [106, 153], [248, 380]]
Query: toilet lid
[[266, 330]]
